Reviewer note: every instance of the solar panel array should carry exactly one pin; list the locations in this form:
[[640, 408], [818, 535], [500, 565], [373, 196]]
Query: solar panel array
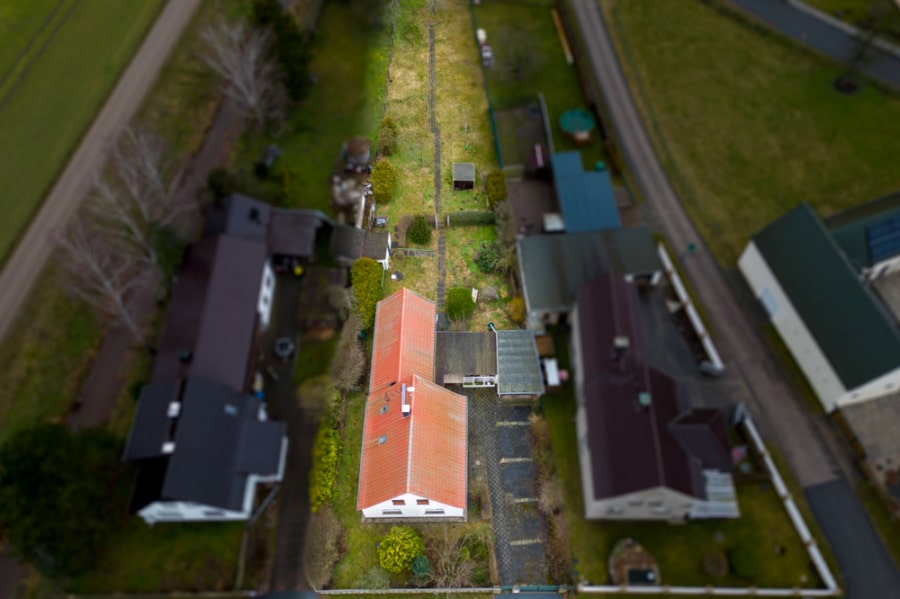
[[883, 239]]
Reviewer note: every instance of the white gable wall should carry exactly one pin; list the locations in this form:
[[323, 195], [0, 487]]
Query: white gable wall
[[658, 503], [802, 345], [409, 505], [884, 385]]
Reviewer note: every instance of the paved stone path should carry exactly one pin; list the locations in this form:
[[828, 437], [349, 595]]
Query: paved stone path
[[500, 450], [436, 131]]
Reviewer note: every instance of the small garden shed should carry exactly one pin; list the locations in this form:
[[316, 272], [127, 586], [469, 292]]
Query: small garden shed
[[463, 175]]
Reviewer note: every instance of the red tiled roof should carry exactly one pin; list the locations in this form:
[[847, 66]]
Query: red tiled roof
[[423, 454], [404, 339]]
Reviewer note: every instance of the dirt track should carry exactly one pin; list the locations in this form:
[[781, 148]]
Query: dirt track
[[27, 262]]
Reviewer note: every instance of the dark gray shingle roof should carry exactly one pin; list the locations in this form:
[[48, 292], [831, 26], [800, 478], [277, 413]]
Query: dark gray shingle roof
[[212, 314], [218, 442], [464, 354], [553, 266], [518, 364]]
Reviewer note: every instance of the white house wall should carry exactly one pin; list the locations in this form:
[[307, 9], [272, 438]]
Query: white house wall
[[409, 506], [802, 345], [266, 295], [886, 384], [658, 503]]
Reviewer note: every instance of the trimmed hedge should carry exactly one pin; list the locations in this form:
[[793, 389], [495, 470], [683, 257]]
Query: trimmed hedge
[[323, 473], [366, 276], [384, 180], [419, 231], [496, 187], [472, 217]]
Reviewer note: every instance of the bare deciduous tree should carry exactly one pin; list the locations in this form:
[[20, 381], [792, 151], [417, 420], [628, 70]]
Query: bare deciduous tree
[[349, 360], [135, 198], [109, 276], [453, 566], [241, 57]]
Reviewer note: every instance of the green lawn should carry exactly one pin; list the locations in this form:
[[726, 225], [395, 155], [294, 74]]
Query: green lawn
[[544, 68], [52, 97], [46, 356], [350, 51], [747, 124], [166, 557], [749, 541]]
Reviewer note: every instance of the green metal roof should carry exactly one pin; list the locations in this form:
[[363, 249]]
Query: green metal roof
[[553, 266], [858, 337]]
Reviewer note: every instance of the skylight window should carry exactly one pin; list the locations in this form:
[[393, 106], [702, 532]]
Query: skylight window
[[382, 439]]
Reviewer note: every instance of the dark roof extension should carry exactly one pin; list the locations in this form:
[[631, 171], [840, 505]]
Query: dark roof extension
[[219, 442], [554, 266], [293, 233], [586, 197], [459, 354], [211, 325], [857, 336]]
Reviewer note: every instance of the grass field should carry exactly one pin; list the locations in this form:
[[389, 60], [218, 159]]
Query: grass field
[[46, 357], [55, 89], [746, 124], [162, 558]]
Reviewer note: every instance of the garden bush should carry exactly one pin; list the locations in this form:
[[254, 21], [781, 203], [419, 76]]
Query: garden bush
[[387, 139], [459, 303], [398, 550], [290, 48], [384, 180], [323, 473], [366, 276], [488, 259], [419, 231], [496, 187], [516, 309]]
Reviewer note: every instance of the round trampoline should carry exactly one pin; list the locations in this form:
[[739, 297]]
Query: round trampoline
[[578, 123]]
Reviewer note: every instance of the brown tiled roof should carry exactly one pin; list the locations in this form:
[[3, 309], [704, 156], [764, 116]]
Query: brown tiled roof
[[404, 339], [631, 445], [423, 454]]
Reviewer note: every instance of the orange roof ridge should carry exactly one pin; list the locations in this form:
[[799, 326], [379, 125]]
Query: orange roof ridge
[[404, 339]]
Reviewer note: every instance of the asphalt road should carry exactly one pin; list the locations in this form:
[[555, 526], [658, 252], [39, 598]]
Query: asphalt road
[[754, 375], [868, 572], [27, 262], [829, 37]]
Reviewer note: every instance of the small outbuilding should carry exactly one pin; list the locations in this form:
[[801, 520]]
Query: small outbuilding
[[463, 175]]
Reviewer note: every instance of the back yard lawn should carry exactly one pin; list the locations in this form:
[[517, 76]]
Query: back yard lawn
[[529, 60], [747, 124]]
